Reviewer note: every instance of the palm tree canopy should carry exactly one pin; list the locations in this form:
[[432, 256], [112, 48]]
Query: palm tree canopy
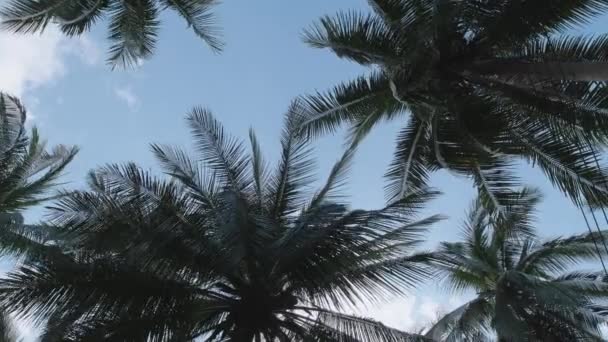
[[27, 173], [226, 248], [526, 288], [133, 27], [484, 82]]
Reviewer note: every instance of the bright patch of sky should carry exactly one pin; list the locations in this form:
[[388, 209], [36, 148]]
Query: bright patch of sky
[[114, 115]]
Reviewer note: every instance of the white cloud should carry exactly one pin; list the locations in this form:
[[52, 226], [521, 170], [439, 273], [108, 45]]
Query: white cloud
[[34, 60], [86, 50], [414, 314], [127, 95]]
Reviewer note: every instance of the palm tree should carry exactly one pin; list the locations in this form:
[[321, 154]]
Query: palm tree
[[484, 83], [27, 173], [225, 249], [133, 24], [526, 289]]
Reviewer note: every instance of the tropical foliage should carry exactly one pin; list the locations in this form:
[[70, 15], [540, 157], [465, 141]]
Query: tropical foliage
[[483, 82], [133, 27], [224, 249], [526, 289], [27, 173]]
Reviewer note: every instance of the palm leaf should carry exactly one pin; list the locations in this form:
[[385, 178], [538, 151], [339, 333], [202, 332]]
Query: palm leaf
[[197, 14], [464, 323], [362, 38], [133, 31], [325, 112], [223, 154], [294, 169], [363, 329]]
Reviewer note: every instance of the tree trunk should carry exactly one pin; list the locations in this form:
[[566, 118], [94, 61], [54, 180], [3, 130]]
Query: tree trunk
[[552, 71]]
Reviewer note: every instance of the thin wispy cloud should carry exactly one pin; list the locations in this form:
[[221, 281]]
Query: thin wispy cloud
[[126, 95]]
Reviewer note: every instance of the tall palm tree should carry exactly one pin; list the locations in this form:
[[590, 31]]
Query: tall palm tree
[[526, 289], [27, 173], [225, 249], [133, 24], [483, 83]]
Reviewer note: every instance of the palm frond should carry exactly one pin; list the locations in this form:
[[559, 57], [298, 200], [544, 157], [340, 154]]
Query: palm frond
[[198, 15], [495, 184], [294, 169], [77, 17], [259, 167], [558, 254], [202, 187], [105, 285], [409, 169], [362, 329], [363, 38], [223, 154], [391, 11], [568, 166], [325, 112], [335, 180], [30, 16], [464, 323], [504, 23], [133, 31], [378, 258]]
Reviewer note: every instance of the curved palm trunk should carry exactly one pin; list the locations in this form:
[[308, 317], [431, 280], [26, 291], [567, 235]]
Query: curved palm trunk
[[554, 71]]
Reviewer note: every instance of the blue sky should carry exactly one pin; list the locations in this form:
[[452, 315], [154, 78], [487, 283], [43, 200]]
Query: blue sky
[[114, 115]]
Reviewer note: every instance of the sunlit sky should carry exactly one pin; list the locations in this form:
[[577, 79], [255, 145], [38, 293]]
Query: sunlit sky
[[75, 98]]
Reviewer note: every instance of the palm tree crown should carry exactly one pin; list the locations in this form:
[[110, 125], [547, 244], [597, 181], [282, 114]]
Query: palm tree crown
[[526, 288], [228, 249], [27, 173], [133, 23], [484, 82]]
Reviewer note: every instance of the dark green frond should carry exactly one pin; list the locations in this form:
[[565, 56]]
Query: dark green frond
[[391, 11], [559, 254], [30, 16], [77, 17], [198, 15], [325, 112], [133, 31], [464, 323], [504, 23], [259, 168], [335, 180], [359, 37], [409, 169], [223, 154], [495, 184], [287, 186], [133, 24], [569, 166], [363, 329]]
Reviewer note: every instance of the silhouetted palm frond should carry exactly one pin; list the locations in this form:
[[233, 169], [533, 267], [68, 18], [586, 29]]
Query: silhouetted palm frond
[[133, 23]]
